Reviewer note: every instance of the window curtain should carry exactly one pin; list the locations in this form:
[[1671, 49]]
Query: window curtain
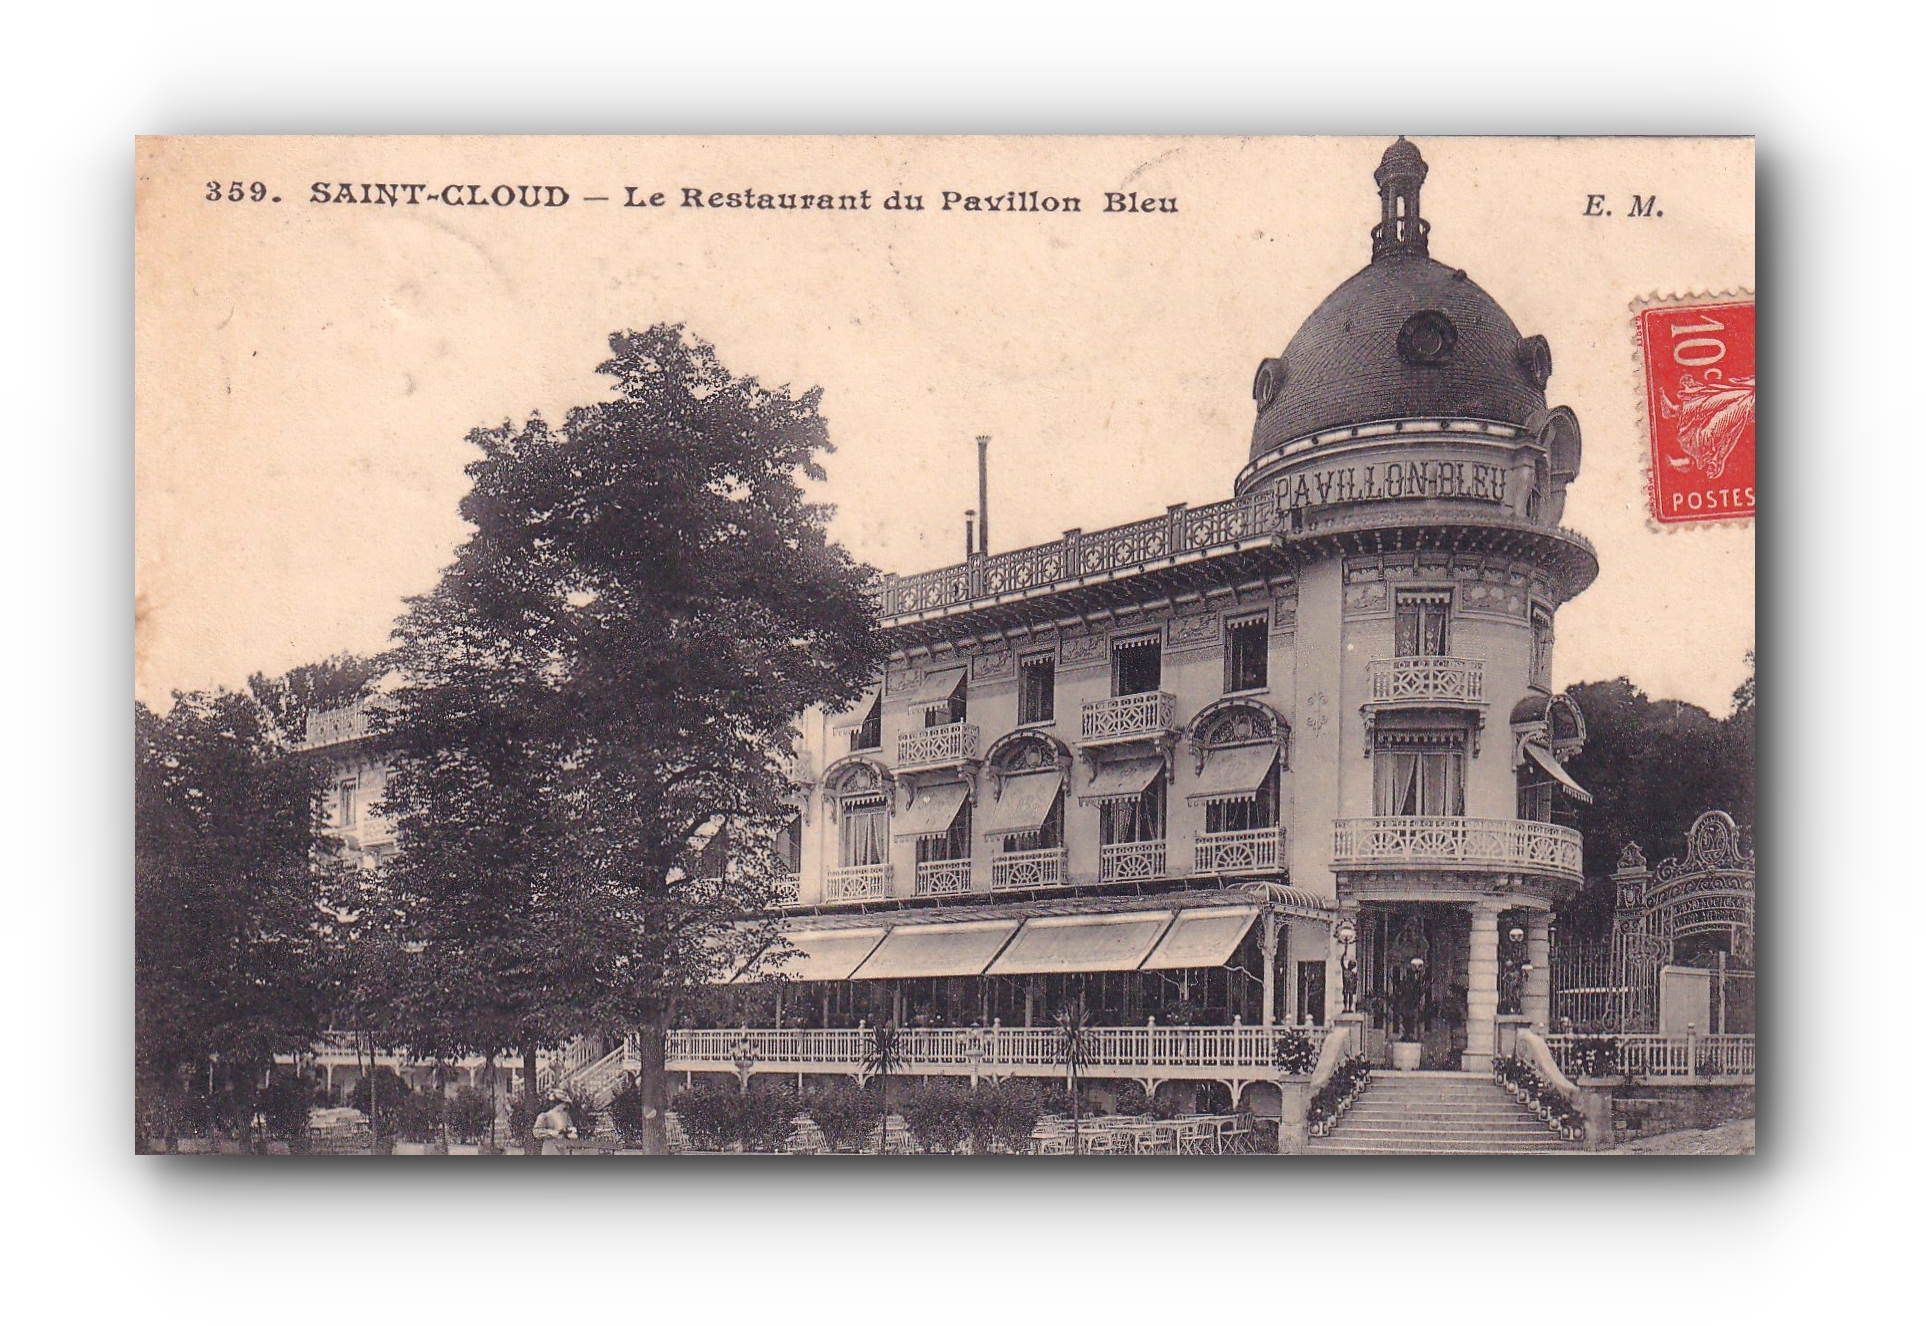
[[1420, 782], [865, 835], [1138, 820]]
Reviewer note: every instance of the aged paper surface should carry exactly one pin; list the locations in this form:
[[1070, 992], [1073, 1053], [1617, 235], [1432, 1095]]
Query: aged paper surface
[[1221, 709], [308, 370]]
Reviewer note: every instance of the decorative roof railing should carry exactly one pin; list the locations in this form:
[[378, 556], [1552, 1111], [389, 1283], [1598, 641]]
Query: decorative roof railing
[[1180, 530]]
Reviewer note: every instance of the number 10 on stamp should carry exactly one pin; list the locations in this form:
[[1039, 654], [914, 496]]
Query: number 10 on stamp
[[1700, 409]]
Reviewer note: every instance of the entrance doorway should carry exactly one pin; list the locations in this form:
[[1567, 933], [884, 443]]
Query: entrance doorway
[[1415, 961]]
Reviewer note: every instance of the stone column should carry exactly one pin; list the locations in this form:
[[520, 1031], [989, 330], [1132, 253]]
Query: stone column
[[1536, 1003], [1481, 1011], [1270, 967]]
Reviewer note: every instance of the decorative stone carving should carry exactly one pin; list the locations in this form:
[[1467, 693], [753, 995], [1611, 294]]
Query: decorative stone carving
[[1193, 631], [993, 663], [1082, 651]]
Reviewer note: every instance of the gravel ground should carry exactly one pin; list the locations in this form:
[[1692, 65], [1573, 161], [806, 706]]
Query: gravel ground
[[1728, 1139]]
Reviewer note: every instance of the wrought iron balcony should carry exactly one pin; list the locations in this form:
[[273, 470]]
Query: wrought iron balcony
[[1043, 868], [936, 747], [939, 877], [788, 890], [856, 883], [1128, 717], [1414, 682], [1448, 842], [1239, 853], [1122, 862]]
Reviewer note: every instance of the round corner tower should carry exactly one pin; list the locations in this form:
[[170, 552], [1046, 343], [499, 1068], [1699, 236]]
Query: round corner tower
[[1420, 477]]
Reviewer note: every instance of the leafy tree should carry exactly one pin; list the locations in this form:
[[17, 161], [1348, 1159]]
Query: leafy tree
[[1652, 767], [1074, 1036], [313, 688], [606, 678], [231, 874], [884, 1060]]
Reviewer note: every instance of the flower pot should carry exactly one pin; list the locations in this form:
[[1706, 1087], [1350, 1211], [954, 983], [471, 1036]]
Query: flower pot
[[1405, 1055]]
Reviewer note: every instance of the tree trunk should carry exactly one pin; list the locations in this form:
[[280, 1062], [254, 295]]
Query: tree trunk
[[530, 1147], [652, 1039]]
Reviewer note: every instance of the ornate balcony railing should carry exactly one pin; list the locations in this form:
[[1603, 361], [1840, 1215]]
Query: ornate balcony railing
[[1667, 1056], [934, 747], [1039, 869], [1180, 530], [1454, 843], [1244, 1053], [788, 890], [1122, 862], [938, 877], [854, 883], [1129, 717], [1238, 853], [1399, 681]]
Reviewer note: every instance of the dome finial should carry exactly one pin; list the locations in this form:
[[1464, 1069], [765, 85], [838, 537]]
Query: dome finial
[[1400, 176]]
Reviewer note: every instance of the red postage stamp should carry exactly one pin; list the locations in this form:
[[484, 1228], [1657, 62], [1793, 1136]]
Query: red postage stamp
[[1697, 357]]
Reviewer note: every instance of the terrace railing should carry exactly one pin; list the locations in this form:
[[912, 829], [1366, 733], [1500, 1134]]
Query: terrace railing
[[1238, 853], [940, 877], [1039, 869], [1180, 531], [934, 747], [855, 883], [1645, 1055], [996, 1051], [1454, 842], [1122, 862], [1427, 681], [1127, 717]]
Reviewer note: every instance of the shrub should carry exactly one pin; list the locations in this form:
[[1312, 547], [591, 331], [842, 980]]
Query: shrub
[[1018, 1107], [419, 1116], [523, 1110], [285, 1105], [626, 1110], [711, 1116], [938, 1114], [471, 1113], [583, 1113], [1295, 1054], [390, 1090], [1055, 1099], [767, 1116], [845, 1114]]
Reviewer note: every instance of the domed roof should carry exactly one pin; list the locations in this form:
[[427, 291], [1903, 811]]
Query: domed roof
[[1406, 337]]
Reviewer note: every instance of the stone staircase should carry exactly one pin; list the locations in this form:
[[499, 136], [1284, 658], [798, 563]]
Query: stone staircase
[[1448, 1114]]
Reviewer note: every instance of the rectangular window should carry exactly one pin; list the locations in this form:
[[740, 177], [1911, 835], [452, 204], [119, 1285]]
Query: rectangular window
[[1535, 802], [1541, 648], [1037, 689], [951, 846], [865, 832], [1136, 666], [1139, 819], [789, 845], [1247, 655], [1419, 774], [347, 792], [1422, 624], [869, 734], [1240, 814], [1046, 835]]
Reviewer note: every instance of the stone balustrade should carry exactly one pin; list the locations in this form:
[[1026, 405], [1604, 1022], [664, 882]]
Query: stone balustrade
[[1452, 842]]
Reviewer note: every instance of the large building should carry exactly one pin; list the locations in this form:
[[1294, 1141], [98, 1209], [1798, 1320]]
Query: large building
[[1265, 761]]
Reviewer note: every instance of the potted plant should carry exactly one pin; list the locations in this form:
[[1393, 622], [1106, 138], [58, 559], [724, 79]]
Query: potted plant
[[1406, 1013]]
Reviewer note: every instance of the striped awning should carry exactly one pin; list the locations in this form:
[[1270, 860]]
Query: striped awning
[[1024, 805], [1121, 780], [1234, 773], [932, 813], [1549, 763], [821, 955], [1119, 941], [938, 687], [952, 948], [1201, 937]]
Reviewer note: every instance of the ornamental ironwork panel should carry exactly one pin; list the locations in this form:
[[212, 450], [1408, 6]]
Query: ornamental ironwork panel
[[1040, 869], [1422, 680], [1122, 862], [1124, 545], [927, 747], [1449, 840], [1148, 714], [852, 883], [939, 877], [1235, 853]]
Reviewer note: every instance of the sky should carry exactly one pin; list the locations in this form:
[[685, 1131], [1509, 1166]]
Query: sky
[[307, 371]]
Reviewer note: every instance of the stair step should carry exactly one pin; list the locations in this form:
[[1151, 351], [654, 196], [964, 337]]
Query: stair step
[[1438, 1114]]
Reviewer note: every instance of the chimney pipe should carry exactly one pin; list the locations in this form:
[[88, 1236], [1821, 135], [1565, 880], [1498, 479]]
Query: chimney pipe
[[983, 493], [969, 534]]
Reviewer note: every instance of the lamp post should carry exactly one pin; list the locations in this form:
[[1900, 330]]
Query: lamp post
[[1347, 935]]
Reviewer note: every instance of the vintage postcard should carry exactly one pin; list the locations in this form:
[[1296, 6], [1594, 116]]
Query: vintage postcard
[[1043, 646]]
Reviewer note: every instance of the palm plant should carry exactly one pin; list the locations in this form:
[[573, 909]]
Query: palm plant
[[1073, 1051], [885, 1060]]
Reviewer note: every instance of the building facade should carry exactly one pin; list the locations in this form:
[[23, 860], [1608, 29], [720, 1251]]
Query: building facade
[[1283, 759]]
